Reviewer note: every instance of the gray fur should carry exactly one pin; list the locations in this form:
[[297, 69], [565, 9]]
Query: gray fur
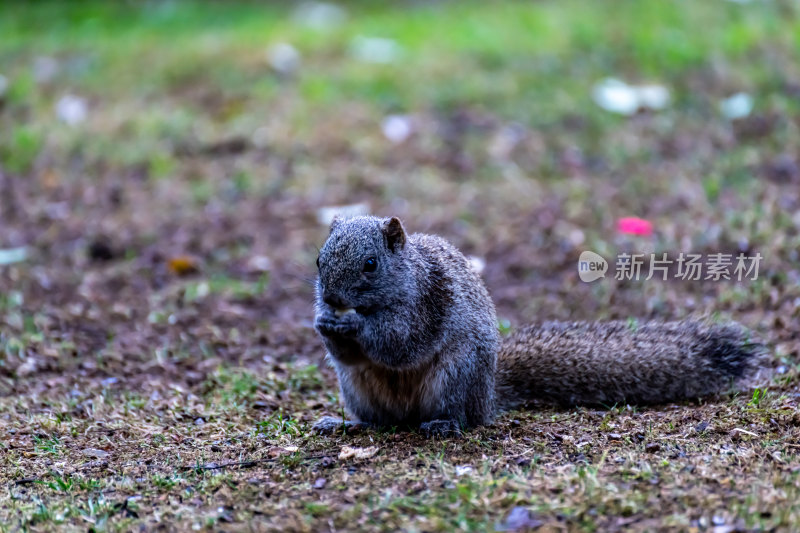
[[422, 346], [622, 362]]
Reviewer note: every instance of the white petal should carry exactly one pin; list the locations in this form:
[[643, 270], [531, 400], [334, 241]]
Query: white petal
[[653, 96], [283, 57], [10, 256], [396, 128], [737, 106], [72, 109], [616, 96]]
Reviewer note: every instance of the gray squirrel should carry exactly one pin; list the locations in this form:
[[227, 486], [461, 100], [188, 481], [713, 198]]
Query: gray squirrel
[[412, 334]]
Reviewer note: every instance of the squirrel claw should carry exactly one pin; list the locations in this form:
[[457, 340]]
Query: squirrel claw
[[441, 428]]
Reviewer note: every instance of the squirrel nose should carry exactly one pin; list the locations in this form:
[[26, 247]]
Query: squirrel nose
[[334, 301]]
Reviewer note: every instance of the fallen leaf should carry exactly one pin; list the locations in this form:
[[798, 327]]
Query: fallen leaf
[[462, 470], [737, 106], [519, 519], [72, 109], [182, 265], [10, 256], [277, 451], [96, 453], [283, 58], [653, 96], [396, 128], [348, 452], [619, 97]]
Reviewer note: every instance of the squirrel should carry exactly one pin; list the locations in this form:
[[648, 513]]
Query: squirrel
[[412, 334]]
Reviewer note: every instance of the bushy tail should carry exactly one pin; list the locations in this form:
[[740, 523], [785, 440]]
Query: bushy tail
[[622, 362]]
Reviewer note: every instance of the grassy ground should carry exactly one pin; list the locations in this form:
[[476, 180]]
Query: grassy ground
[[157, 362]]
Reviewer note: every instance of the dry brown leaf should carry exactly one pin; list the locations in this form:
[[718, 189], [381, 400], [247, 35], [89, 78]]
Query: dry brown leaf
[[352, 452], [183, 265]]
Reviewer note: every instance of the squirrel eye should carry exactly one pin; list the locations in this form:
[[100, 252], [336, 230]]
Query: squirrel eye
[[317, 261], [370, 265]]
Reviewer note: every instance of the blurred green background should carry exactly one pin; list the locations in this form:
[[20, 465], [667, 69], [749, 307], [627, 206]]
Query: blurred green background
[[493, 123], [532, 62]]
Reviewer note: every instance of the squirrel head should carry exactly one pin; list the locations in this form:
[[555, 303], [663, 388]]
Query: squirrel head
[[363, 264]]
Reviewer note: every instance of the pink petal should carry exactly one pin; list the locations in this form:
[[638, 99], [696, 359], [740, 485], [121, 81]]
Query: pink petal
[[635, 226]]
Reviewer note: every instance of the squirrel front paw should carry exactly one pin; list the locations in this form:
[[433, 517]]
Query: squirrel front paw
[[328, 425], [329, 325], [441, 428]]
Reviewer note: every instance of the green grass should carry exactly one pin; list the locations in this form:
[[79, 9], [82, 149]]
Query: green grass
[[48, 445]]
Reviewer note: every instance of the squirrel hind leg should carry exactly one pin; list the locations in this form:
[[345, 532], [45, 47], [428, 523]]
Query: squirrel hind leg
[[328, 425], [441, 428]]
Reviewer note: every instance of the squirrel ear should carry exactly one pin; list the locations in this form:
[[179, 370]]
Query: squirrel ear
[[337, 219], [395, 234]]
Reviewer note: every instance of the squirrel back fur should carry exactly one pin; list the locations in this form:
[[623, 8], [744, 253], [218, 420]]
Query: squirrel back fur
[[412, 333]]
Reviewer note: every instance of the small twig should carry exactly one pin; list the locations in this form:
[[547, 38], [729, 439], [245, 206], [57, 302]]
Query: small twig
[[27, 481], [234, 464], [243, 464]]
